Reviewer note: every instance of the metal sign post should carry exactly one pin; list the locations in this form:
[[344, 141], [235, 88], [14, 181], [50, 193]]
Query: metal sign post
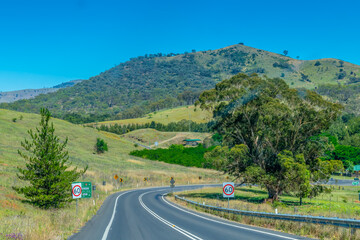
[[228, 191], [172, 181], [81, 190]]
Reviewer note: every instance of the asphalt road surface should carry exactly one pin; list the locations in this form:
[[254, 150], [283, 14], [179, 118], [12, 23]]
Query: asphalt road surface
[[146, 214]]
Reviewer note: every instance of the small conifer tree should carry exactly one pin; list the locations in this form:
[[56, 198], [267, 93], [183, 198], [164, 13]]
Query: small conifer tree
[[100, 146], [46, 168]]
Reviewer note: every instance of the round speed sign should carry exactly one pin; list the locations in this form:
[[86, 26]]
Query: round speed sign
[[76, 190], [228, 190]]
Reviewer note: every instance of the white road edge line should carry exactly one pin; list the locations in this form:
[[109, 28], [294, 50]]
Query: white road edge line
[[104, 237], [173, 226], [228, 224]]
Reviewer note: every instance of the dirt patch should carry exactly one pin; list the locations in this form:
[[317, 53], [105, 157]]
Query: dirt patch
[[136, 161], [12, 196], [8, 204]]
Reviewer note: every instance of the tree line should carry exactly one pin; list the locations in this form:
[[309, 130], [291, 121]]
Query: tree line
[[181, 126]]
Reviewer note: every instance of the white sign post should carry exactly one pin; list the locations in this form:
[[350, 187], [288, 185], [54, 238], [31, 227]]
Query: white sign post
[[228, 191], [76, 193]]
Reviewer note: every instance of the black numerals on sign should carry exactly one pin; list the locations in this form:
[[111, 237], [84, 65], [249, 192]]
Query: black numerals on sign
[[228, 190], [76, 191]]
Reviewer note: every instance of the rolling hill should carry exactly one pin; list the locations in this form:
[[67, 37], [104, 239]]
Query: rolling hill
[[157, 81], [148, 137], [17, 216], [164, 116]]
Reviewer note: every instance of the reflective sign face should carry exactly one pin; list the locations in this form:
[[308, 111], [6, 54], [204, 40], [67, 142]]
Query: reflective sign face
[[228, 189], [76, 190]]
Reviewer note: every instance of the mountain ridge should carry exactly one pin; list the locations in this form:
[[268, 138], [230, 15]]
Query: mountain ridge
[[12, 96], [157, 81]]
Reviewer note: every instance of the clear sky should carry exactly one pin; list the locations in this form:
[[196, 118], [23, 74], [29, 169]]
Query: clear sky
[[44, 43]]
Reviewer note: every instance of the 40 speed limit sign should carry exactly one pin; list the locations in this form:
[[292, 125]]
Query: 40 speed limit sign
[[228, 189]]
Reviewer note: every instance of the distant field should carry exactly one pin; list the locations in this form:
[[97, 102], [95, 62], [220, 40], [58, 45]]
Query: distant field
[[18, 217], [149, 136], [166, 116]]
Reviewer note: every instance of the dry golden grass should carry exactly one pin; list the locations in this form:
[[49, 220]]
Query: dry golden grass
[[34, 223], [165, 117]]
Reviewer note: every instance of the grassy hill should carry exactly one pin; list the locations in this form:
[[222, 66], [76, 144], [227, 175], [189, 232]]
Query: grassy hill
[[18, 217], [165, 117], [158, 81], [148, 137]]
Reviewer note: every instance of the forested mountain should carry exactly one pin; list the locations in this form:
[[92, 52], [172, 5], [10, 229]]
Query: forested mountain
[[155, 81]]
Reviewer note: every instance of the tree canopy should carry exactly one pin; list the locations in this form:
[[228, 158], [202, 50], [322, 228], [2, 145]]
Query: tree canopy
[[272, 131], [46, 167]]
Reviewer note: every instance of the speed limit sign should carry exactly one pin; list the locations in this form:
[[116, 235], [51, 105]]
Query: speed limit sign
[[76, 190], [228, 189]]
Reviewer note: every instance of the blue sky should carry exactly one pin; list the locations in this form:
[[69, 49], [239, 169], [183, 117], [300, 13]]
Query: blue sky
[[44, 43]]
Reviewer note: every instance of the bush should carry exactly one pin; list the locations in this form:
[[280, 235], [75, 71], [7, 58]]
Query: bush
[[176, 154], [100, 146], [282, 65]]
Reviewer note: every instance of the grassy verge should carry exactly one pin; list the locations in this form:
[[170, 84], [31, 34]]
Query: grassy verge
[[340, 203], [33, 223]]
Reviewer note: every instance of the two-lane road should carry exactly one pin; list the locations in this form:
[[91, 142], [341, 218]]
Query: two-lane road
[[146, 214]]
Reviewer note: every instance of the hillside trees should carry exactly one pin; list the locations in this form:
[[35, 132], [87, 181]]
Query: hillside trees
[[46, 167], [270, 131]]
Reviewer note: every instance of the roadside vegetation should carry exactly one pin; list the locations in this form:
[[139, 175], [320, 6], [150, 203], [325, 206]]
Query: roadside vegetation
[[340, 203], [272, 134], [19, 217]]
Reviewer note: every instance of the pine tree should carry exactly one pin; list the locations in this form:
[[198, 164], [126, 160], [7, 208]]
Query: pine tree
[[46, 168], [100, 146]]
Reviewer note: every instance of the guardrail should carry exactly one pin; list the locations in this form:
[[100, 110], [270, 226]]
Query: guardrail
[[349, 223]]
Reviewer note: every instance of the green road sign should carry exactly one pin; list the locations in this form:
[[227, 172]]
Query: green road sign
[[81, 189], [355, 183]]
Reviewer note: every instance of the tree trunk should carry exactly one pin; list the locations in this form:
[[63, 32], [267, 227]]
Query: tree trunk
[[273, 194], [300, 201]]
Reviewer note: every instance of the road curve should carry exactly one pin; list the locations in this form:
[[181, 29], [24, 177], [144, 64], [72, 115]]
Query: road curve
[[146, 214]]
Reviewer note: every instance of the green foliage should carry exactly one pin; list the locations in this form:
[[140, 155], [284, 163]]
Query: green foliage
[[46, 167], [269, 128], [176, 154], [181, 126], [347, 153], [14, 119], [101, 146], [348, 95]]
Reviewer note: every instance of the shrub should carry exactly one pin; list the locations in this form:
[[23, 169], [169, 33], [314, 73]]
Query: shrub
[[100, 146], [317, 63]]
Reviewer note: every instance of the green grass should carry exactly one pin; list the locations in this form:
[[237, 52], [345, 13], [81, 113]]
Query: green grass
[[340, 203], [16, 216], [149, 136], [166, 116]]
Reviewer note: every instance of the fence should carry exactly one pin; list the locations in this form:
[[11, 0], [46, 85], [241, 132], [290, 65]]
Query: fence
[[350, 223]]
